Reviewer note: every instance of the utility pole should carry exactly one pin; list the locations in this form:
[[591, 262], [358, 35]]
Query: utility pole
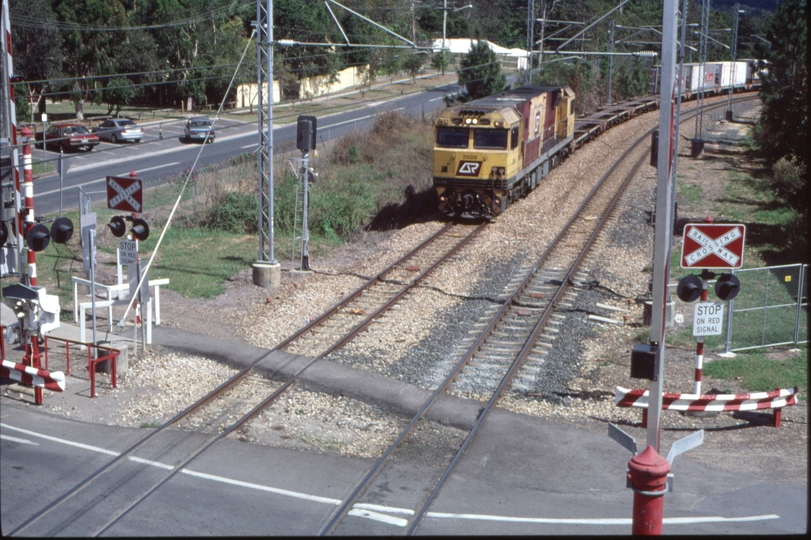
[[444, 22], [610, 62], [663, 232], [266, 270], [530, 37], [733, 53], [702, 59]]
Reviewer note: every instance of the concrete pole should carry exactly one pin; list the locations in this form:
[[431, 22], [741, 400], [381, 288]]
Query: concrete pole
[[610, 62], [530, 38], [733, 55], [444, 22]]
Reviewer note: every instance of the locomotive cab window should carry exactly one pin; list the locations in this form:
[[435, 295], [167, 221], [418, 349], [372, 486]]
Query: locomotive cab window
[[451, 137], [495, 139], [514, 137]]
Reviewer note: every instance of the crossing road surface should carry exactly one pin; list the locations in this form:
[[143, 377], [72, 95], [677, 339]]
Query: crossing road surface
[[550, 480]]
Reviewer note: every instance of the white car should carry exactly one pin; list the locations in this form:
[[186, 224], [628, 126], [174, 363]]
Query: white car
[[119, 129]]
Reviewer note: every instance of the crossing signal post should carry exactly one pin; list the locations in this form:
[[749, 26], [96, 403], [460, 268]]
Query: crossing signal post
[[128, 253], [709, 246], [305, 141]]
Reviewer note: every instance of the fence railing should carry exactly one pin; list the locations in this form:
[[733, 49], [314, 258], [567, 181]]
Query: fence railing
[[771, 309]]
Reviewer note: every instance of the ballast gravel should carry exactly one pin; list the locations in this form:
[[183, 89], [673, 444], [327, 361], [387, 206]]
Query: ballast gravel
[[575, 384]]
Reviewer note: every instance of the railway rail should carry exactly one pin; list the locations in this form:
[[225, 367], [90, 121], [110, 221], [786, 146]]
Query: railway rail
[[508, 347], [514, 340], [216, 411]]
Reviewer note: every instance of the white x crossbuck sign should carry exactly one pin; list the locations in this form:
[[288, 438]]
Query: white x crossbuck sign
[[713, 247], [121, 196]]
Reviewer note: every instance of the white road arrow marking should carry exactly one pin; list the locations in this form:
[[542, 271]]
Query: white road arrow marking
[[710, 246]]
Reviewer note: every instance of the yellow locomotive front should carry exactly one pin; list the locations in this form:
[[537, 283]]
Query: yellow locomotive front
[[476, 150], [491, 151]]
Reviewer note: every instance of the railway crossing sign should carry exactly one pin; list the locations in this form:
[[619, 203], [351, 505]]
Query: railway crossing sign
[[713, 245], [125, 194]]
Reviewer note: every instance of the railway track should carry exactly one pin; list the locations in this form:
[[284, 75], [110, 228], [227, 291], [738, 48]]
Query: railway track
[[512, 341], [511, 345], [233, 404]]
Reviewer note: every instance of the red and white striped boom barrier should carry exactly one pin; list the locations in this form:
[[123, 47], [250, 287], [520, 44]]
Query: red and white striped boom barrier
[[52, 380], [776, 399]]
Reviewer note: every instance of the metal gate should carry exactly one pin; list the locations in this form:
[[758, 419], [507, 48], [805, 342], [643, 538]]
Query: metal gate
[[771, 308]]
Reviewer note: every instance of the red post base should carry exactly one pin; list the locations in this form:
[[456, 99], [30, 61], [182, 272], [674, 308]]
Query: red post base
[[647, 473], [33, 358]]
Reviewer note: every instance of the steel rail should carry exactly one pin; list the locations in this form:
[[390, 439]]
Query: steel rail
[[238, 377], [363, 484], [340, 514], [549, 309], [539, 326], [282, 389]]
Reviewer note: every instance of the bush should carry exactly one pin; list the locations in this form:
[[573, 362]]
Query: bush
[[796, 235], [234, 212], [23, 108], [789, 180]]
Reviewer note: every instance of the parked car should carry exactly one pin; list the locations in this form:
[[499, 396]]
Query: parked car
[[119, 129], [199, 129], [68, 137]]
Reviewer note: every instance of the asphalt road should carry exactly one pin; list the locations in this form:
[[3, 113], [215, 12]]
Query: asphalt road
[[551, 479], [156, 158]]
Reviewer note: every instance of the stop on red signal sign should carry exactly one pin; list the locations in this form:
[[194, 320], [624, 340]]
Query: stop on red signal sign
[[713, 245]]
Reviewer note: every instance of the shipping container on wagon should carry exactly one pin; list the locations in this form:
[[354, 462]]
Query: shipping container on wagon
[[699, 78], [733, 73]]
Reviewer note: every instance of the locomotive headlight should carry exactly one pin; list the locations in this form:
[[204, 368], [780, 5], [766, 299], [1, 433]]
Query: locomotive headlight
[[467, 121], [474, 121]]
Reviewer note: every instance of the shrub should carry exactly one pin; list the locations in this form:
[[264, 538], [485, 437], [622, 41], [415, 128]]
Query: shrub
[[234, 212], [789, 180]]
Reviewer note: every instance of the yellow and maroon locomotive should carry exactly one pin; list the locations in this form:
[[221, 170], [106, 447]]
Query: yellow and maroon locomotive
[[490, 151]]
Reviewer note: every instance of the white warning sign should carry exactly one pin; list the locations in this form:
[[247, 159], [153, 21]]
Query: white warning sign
[[708, 318]]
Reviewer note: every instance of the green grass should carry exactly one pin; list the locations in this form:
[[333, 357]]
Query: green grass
[[38, 166], [693, 193], [758, 373], [777, 216], [199, 261], [150, 425]]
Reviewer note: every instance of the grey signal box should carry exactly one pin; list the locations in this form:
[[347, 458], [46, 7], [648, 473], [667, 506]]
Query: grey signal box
[[305, 133]]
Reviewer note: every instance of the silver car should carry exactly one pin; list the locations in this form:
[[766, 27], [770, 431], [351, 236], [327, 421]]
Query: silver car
[[119, 129], [199, 129]]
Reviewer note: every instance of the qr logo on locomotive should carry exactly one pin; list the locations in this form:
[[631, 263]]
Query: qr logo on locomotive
[[469, 168]]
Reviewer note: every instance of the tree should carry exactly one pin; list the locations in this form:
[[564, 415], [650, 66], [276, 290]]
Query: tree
[[88, 54], [37, 50], [21, 105], [480, 71], [390, 63], [306, 21], [119, 92], [441, 61], [412, 63], [577, 75], [783, 125]]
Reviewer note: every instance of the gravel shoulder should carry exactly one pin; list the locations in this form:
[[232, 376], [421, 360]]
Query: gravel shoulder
[[576, 387]]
